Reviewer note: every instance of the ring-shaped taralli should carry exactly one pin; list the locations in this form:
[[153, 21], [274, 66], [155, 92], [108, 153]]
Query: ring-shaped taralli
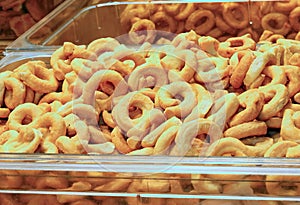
[[15, 92], [186, 68], [23, 116], [212, 69], [285, 6], [276, 96], [190, 130], [289, 128], [252, 101], [62, 57], [120, 111], [245, 58], [83, 69], [38, 77], [177, 99], [184, 11], [294, 18], [25, 141], [163, 22], [282, 185], [201, 21], [148, 75], [113, 77], [234, 44], [142, 31], [129, 16], [281, 25], [277, 73], [54, 124], [103, 45], [236, 15]]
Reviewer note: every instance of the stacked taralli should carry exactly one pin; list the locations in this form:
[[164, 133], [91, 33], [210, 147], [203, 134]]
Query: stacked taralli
[[193, 96]]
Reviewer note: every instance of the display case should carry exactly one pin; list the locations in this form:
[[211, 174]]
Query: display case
[[233, 140]]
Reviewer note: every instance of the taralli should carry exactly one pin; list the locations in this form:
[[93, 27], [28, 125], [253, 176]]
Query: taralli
[[23, 115], [190, 130], [257, 66], [54, 124], [223, 26], [133, 99], [158, 99], [236, 15], [163, 22], [15, 92], [245, 58], [184, 11], [290, 127], [205, 16], [186, 68], [247, 129], [234, 44], [148, 75], [252, 101], [62, 57], [212, 69], [227, 147], [142, 31], [38, 77], [277, 95], [276, 22], [181, 107], [27, 141]]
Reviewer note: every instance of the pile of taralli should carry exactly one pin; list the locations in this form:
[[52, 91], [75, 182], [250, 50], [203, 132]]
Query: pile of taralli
[[216, 19], [192, 96]]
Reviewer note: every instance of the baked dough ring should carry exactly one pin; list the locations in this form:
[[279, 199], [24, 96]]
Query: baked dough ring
[[278, 96], [212, 69], [290, 127], [38, 77], [201, 21], [15, 92], [280, 25], [120, 111], [190, 130], [234, 44], [99, 78], [252, 101], [148, 75], [23, 116], [186, 67], [163, 22], [142, 31], [167, 98], [236, 15]]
